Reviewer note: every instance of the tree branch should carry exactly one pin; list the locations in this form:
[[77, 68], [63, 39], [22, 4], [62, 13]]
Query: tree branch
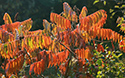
[[64, 46], [67, 68], [28, 54], [68, 49]]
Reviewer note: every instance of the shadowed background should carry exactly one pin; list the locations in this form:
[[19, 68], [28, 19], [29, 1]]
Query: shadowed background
[[41, 9]]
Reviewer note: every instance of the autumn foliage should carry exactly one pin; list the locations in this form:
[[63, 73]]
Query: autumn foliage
[[66, 39]]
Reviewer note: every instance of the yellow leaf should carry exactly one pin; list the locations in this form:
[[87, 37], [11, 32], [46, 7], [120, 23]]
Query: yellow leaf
[[122, 6], [118, 25], [119, 55], [111, 10], [104, 2], [96, 1], [113, 13], [7, 18], [116, 6]]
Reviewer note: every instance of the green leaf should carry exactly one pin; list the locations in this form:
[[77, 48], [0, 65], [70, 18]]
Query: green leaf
[[99, 72], [110, 16], [100, 67], [111, 10], [104, 2], [121, 45], [118, 52], [122, 6], [96, 1], [113, 14], [106, 47], [15, 57], [99, 61], [5, 45], [58, 75], [114, 55], [123, 28], [122, 19], [20, 30]]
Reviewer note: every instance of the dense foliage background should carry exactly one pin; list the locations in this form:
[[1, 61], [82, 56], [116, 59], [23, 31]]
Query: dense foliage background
[[41, 9]]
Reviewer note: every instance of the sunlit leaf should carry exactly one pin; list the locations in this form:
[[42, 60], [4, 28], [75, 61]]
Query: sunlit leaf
[[120, 55], [7, 67], [99, 62], [111, 10], [118, 25], [104, 2], [96, 1], [122, 6], [83, 12], [112, 14], [116, 6], [7, 18]]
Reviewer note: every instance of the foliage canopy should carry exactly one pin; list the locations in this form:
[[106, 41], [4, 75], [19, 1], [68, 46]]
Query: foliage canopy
[[70, 42]]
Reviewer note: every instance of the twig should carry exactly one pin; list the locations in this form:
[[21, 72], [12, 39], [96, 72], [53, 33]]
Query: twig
[[42, 76], [64, 46], [67, 68], [15, 17], [27, 54], [68, 49]]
